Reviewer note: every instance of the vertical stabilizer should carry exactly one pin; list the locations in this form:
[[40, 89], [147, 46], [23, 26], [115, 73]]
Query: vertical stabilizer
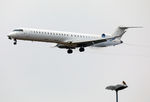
[[121, 30]]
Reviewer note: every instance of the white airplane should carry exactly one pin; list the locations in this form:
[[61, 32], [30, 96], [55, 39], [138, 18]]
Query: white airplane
[[69, 40]]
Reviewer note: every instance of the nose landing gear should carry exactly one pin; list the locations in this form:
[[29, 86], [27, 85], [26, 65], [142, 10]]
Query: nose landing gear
[[15, 41], [9, 38]]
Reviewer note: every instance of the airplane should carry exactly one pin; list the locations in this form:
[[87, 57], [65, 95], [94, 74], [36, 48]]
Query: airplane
[[69, 40]]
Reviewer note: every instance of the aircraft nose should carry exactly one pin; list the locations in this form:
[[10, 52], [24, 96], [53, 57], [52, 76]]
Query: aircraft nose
[[11, 35]]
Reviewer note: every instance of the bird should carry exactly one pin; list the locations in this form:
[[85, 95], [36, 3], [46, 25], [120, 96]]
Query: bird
[[117, 87]]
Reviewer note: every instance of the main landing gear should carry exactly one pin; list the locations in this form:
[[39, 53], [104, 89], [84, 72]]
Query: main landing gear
[[81, 49], [70, 51]]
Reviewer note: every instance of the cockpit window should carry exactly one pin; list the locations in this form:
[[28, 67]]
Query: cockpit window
[[21, 30]]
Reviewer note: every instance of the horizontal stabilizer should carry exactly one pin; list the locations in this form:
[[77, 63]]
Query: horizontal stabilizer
[[124, 27]]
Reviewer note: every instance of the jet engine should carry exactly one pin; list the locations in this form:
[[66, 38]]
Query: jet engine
[[103, 35]]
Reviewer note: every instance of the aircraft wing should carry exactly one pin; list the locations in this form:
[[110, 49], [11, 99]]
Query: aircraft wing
[[92, 42]]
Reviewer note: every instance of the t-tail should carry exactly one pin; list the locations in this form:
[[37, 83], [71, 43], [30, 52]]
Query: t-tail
[[121, 30]]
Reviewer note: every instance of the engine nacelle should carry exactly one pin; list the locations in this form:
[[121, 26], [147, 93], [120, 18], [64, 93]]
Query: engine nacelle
[[103, 35], [121, 41]]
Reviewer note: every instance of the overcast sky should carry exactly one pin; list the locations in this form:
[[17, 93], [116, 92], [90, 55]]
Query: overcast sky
[[37, 72]]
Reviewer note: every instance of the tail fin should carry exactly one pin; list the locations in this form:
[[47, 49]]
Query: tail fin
[[121, 30]]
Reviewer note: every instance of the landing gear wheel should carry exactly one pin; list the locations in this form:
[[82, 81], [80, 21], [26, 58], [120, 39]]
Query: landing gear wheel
[[15, 41], [69, 51], [81, 49]]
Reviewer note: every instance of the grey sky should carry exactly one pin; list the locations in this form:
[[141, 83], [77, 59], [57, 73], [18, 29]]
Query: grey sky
[[35, 72]]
